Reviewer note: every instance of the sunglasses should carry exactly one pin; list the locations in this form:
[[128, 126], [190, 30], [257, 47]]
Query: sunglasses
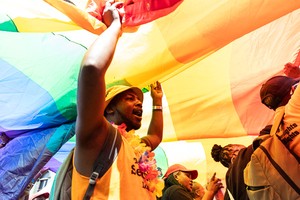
[[270, 101]]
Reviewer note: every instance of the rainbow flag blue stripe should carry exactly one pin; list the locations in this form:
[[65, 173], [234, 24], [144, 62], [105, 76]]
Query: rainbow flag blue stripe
[[38, 81]]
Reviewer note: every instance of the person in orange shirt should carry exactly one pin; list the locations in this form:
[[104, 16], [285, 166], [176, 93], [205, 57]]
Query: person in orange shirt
[[103, 112]]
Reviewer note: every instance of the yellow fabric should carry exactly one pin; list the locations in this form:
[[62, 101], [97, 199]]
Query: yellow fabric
[[37, 25], [122, 181], [210, 88], [36, 16], [85, 20]]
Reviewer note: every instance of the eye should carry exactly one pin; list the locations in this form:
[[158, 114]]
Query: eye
[[188, 175], [129, 97]]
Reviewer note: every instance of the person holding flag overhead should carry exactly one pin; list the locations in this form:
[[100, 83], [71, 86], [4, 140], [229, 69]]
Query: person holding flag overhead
[[117, 110]]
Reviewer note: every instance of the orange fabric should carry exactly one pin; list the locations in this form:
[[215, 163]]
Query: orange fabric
[[136, 12]]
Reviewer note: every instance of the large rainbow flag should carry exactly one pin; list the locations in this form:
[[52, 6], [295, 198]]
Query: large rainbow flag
[[211, 57]]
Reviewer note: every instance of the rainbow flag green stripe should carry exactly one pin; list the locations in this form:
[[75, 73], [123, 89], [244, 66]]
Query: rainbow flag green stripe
[[49, 61], [7, 24]]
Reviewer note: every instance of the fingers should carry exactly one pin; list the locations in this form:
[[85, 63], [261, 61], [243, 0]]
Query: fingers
[[156, 85], [213, 177], [108, 5], [218, 183], [111, 4], [111, 13], [118, 5], [214, 183]]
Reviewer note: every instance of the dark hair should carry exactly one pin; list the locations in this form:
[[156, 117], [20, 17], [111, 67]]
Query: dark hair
[[170, 181], [222, 154]]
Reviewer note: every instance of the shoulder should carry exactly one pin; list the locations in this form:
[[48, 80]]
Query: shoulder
[[92, 146], [293, 106], [243, 158], [177, 192], [246, 152], [174, 187]]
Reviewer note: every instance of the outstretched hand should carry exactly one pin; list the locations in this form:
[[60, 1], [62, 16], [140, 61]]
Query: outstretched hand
[[214, 185], [156, 90], [112, 11]]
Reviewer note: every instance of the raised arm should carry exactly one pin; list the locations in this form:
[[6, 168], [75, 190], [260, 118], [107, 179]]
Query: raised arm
[[155, 130], [213, 189], [91, 126]]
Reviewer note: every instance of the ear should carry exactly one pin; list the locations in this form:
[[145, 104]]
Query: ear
[[175, 174], [109, 111]]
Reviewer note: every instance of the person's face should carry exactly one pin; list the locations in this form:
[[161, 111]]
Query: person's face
[[184, 179], [128, 109], [198, 190]]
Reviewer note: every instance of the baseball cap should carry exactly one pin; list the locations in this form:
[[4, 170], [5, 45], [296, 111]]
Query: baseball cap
[[275, 89], [178, 167], [117, 89]]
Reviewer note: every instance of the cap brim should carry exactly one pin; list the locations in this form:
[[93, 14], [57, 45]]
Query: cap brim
[[136, 90], [194, 173]]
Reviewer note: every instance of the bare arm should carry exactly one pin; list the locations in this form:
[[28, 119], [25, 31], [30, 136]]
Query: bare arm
[[155, 131], [91, 126]]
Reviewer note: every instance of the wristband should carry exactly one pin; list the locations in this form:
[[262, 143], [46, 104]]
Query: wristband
[[157, 107]]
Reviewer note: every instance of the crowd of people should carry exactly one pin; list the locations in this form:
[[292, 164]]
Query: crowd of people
[[103, 111], [235, 157], [279, 94]]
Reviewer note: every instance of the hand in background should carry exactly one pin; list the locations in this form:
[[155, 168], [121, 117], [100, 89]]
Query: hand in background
[[214, 189], [291, 70]]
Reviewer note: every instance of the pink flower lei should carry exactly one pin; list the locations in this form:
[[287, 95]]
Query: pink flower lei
[[147, 162]]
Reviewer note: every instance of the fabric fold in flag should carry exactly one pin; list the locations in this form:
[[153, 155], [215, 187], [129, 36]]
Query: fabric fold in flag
[[137, 12]]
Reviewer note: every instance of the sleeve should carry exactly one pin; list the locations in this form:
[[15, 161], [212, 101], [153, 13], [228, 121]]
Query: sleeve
[[292, 109], [236, 184]]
